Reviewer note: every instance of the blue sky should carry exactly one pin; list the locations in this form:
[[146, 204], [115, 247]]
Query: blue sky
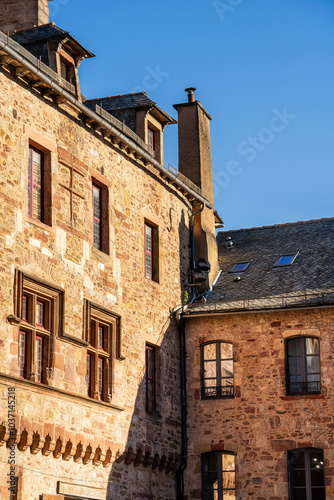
[[263, 69]]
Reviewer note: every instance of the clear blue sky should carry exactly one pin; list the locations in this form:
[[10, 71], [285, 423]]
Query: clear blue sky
[[263, 69]]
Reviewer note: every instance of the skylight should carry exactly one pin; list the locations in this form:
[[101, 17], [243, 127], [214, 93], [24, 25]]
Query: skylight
[[239, 267], [285, 260]]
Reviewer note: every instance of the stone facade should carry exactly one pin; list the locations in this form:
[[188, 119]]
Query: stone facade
[[261, 423], [69, 443]]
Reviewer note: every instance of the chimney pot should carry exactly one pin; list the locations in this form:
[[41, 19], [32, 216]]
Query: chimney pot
[[191, 95]]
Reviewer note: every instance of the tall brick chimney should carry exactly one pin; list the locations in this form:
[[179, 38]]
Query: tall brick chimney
[[195, 163], [18, 15]]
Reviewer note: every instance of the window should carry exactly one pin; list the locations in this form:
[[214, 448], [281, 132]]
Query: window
[[285, 260], [39, 306], [303, 365], [218, 476], [103, 335], [100, 218], [150, 376], [217, 370], [306, 474], [35, 184], [39, 185], [151, 252], [151, 140], [239, 267]]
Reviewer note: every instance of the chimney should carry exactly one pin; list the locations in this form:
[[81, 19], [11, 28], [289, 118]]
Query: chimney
[[196, 164], [16, 15]]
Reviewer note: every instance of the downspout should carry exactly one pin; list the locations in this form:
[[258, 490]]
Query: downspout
[[192, 240], [184, 439]]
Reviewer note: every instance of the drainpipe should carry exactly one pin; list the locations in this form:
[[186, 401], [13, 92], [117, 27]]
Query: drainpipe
[[192, 240], [183, 381]]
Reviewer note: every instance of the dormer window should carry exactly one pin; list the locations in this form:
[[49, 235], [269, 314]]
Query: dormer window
[[286, 260]]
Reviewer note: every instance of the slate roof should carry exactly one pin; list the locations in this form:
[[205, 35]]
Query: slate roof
[[312, 270], [128, 101], [46, 32]]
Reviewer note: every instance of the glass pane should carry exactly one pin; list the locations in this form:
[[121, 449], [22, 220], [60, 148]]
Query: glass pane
[[209, 351], [239, 267], [226, 351], [100, 376], [313, 364], [318, 494], [22, 354], [229, 495], [228, 462], [211, 481], [210, 370], [210, 463], [228, 480], [40, 313], [312, 346], [317, 477], [148, 238], [227, 368], [285, 260], [297, 459], [37, 202], [294, 347], [39, 358], [299, 478], [210, 382], [295, 366], [316, 459], [299, 494], [211, 495]]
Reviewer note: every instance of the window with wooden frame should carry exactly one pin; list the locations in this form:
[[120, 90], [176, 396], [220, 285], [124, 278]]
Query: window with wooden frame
[[151, 140], [39, 185], [217, 370], [103, 334], [307, 474], [218, 476], [100, 212], [150, 378], [303, 366], [40, 308], [151, 251]]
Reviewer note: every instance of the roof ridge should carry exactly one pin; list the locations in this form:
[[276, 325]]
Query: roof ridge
[[52, 23], [277, 225], [120, 95]]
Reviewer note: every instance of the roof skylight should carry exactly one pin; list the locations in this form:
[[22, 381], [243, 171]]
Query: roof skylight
[[285, 260], [239, 267]]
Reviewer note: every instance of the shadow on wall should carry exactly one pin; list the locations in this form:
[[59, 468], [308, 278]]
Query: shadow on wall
[[147, 468]]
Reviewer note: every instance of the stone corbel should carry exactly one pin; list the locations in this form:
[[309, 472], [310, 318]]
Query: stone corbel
[[130, 456], [99, 457], [88, 455], [80, 453], [59, 449], [4, 434], [139, 458], [107, 460], [37, 443], [148, 459], [14, 320], [162, 464], [155, 462], [49, 446], [25, 441], [69, 452]]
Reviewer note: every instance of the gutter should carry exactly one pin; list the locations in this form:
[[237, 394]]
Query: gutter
[[91, 114]]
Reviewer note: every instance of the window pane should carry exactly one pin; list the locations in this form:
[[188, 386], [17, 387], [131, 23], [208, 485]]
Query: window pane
[[211, 481], [299, 478], [294, 347], [297, 459], [228, 462], [228, 480], [97, 216], [299, 494], [316, 459], [312, 346], [229, 495], [210, 463], [313, 364], [210, 369], [40, 313], [227, 368], [318, 494], [209, 351], [22, 354], [211, 495], [226, 350], [317, 477], [295, 366], [100, 377], [39, 358]]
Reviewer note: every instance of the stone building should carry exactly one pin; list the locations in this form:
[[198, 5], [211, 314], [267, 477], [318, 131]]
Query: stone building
[[98, 244], [259, 356], [111, 387]]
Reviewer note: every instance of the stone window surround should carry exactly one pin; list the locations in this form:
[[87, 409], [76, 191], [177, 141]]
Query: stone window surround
[[100, 182], [95, 316], [53, 297]]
